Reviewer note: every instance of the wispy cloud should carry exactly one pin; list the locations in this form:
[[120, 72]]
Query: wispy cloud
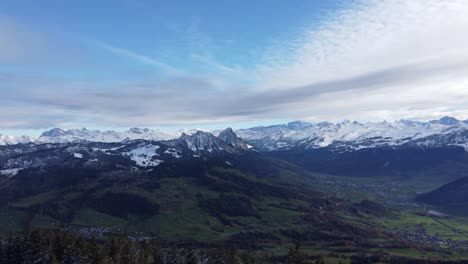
[[138, 57], [370, 36], [374, 60]]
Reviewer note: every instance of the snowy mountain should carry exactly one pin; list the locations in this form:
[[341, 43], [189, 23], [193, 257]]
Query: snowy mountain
[[10, 140], [230, 138], [130, 154], [348, 147], [58, 135], [352, 135], [343, 136], [226, 141]]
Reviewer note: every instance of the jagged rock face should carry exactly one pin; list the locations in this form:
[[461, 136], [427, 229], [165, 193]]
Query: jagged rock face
[[230, 138], [200, 141], [205, 142]]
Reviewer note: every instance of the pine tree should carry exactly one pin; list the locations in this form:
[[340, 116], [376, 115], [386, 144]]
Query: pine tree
[[126, 255], [233, 256], [173, 256], [13, 250], [59, 246], [2, 252], [156, 253], [192, 256], [319, 260], [114, 251], [144, 254], [296, 256], [95, 254], [217, 256]]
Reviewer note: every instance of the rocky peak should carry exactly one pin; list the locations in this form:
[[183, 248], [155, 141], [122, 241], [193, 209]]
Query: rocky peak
[[138, 130], [54, 132], [446, 121], [199, 141], [297, 125], [230, 138]]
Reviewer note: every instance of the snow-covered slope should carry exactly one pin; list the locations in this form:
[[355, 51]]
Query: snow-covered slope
[[346, 135], [58, 135], [10, 140], [135, 154], [351, 135]]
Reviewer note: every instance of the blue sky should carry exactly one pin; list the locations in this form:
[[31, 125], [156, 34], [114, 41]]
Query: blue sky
[[175, 35], [172, 64]]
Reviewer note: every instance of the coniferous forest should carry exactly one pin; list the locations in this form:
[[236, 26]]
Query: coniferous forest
[[60, 246]]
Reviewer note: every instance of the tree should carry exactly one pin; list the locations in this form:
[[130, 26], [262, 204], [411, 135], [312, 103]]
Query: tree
[[95, 254], [319, 260], [296, 256], [126, 254], [114, 251], [233, 256], [192, 256], [217, 256], [156, 253], [173, 256], [13, 250]]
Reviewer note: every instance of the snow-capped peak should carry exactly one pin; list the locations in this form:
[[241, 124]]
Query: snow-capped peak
[[296, 125], [200, 141], [348, 134], [54, 132], [12, 140], [58, 135], [446, 121]]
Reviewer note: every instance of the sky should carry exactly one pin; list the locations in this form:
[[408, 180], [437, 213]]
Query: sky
[[212, 64]]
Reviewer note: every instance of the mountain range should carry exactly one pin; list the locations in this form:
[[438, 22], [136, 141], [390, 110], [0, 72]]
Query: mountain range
[[139, 152], [198, 186], [346, 148], [342, 136], [264, 184]]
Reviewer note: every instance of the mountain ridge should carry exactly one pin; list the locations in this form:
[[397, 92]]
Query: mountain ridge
[[344, 136]]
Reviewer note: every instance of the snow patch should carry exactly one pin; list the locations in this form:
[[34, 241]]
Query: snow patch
[[465, 146], [78, 155], [173, 152], [143, 156], [10, 172]]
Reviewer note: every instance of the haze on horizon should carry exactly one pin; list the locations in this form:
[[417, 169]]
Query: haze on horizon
[[213, 64]]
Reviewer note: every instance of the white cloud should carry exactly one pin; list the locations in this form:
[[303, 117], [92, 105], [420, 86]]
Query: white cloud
[[372, 36], [425, 40], [377, 60]]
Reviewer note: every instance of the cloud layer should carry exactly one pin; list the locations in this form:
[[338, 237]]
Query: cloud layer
[[374, 60]]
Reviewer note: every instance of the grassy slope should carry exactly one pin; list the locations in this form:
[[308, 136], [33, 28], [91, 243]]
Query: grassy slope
[[180, 216]]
